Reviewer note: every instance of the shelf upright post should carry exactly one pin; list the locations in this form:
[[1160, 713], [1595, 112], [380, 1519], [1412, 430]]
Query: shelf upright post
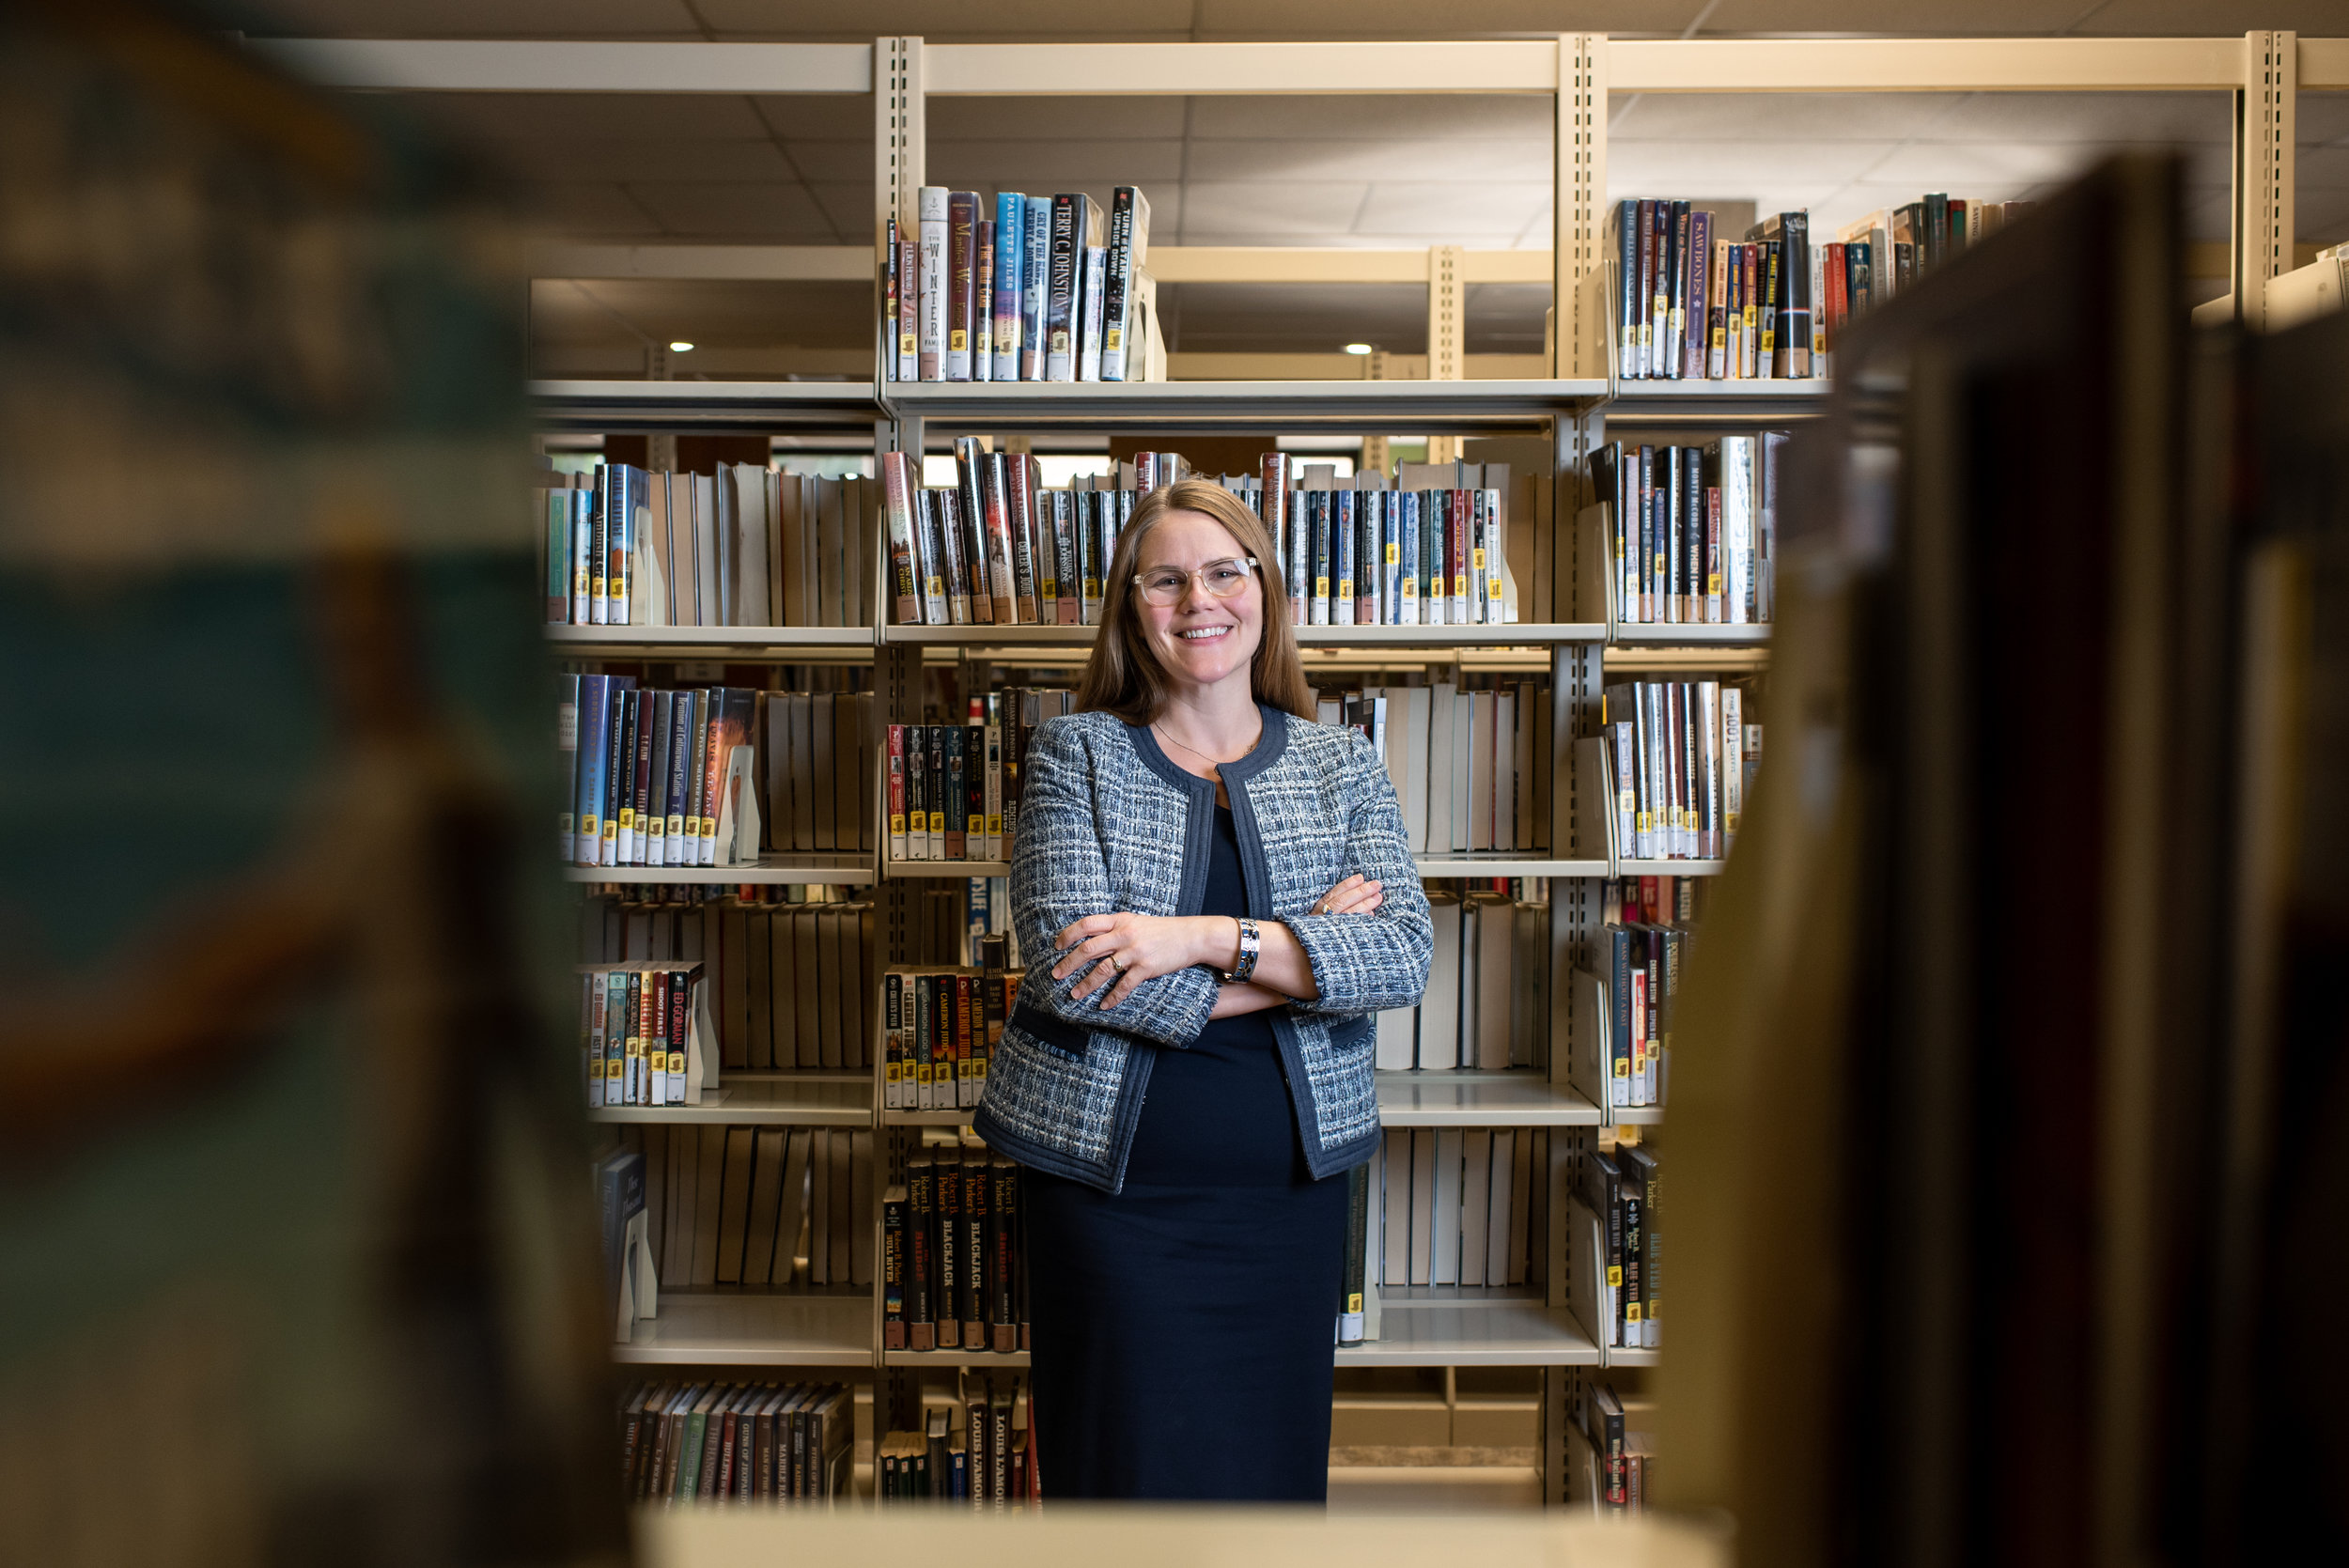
[[2266, 116], [1447, 333], [1579, 201], [900, 159]]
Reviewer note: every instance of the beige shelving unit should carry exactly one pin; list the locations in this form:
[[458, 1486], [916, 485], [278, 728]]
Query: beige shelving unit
[[1573, 409]]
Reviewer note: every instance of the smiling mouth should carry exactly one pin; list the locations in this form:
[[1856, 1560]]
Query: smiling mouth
[[1204, 633]]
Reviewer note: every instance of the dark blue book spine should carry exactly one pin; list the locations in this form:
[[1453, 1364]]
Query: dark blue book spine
[[598, 547], [1407, 550], [615, 762], [1626, 288], [567, 760], [1342, 547], [1035, 268], [594, 722], [1319, 566], [1370, 515], [1618, 1064], [653, 829], [681, 780], [1011, 249]]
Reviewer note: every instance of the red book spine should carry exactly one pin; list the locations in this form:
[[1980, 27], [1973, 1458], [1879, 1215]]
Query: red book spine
[[897, 792], [962, 261], [1831, 313]]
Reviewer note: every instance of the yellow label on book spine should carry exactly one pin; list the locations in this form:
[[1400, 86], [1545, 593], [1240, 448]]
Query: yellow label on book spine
[[978, 824], [1476, 559], [628, 819], [956, 341], [1614, 1275], [1345, 587], [1410, 586], [897, 822], [1631, 1311], [1321, 587], [1112, 339], [938, 822], [1713, 582], [906, 344], [1459, 586], [994, 825], [893, 1074], [1395, 555]]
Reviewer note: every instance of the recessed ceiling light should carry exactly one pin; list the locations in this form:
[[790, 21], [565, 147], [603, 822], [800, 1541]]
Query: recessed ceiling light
[[681, 348], [1358, 348]]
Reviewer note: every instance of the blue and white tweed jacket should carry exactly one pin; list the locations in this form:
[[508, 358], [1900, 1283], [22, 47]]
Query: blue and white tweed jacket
[[1107, 823]]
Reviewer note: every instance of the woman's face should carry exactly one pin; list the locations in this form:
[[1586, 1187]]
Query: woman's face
[[1201, 639]]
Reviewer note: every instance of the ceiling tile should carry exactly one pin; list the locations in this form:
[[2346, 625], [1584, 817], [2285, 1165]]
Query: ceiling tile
[[1914, 18], [1440, 211], [1391, 118], [1041, 168], [610, 116], [1674, 169], [2323, 168], [769, 210], [1519, 160], [2085, 118], [2210, 18], [1049, 119], [2322, 217], [1416, 19], [586, 212], [850, 208], [825, 116], [647, 160], [946, 20], [1271, 214], [832, 162], [1641, 117]]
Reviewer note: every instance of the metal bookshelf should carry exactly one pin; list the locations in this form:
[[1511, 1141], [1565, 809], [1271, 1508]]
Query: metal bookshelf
[[851, 870], [771, 1101], [1581, 70]]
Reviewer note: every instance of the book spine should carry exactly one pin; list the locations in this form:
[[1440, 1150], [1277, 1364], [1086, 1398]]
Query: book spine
[[567, 766], [1484, 609], [1063, 282], [1698, 267], [1011, 270], [1274, 506], [892, 1259], [931, 210], [994, 752], [1645, 320], [920, 1250], [1676, 350], [1456, 537], [1096, 268], [929, 549], [962, 263], [1020, 495], [1795, 228], [948, 505], [1002, 578], [898, 488], [1750, 291], [1720, 325], [1069, 598], [897, 792], [1406, 531], [1344, 538], [681, 776], [1351, 1315], [1316, 531], [1117, 285], [1627, 290], [1370, 512], [909, 345], [983, 298], [1732, 742], [594, 702], [598, 546], [892, 304], [1036, 262]]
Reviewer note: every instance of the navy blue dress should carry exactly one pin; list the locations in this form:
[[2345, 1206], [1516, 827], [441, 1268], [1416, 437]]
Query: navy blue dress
[[1183, 1329]]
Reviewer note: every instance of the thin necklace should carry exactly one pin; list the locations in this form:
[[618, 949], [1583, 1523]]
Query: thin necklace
[[1212, 762]]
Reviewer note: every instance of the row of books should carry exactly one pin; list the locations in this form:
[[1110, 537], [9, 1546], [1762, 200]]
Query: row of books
[[747, 545], [1453, 1205], [787, 984], [1691, 304], [953, 1255], [1619, 1429], [1911, 241], [785, 771], [1471, 766], [954, 790], [972, 1453], [1638, 968], [643, 1029], [1027, 288], [939, 1030], [1692, 530], [1623, 1193], [757, 1207], [1681, 754], [1485, 1004], [685, 1441]]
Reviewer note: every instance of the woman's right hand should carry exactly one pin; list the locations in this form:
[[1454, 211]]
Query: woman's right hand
[[1353, 896]]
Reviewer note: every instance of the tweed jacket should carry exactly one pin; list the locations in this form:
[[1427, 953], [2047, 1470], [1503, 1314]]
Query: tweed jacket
[[1107, 823]]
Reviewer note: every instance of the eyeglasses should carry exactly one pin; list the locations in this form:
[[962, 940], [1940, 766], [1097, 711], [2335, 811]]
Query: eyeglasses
[[1164, 586]]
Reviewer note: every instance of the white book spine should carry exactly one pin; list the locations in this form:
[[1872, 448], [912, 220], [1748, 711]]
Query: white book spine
[[1097, 272], [930, 207], [1733, 769]]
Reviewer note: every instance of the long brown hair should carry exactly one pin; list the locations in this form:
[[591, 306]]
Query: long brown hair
[[1123, 676]]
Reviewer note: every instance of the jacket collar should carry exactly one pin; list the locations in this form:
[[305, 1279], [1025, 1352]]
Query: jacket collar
[[1268, 749]]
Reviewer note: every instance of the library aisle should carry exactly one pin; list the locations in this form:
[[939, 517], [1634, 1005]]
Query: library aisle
[[1826, 539]]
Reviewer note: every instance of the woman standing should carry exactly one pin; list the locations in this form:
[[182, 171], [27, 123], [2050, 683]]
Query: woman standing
[[1214, 897]]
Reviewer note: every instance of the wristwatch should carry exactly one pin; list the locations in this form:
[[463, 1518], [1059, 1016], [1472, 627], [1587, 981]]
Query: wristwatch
[[1249, 947]]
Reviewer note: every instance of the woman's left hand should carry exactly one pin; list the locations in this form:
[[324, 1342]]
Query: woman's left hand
[[1126, 949]]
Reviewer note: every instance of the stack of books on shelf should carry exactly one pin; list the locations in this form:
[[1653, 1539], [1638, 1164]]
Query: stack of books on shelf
[[1453, 1205], [1619, 1431], [1637, 955], [746, 546], [786, 985], [758, 1208], [1690, 303], [1427, 547], [970, 1451], [1912, 239], [1680, 755], [1484, 1006], [954, 790], [1470, 765], [644, 1031], [711, 776], [1691, 531], [939, 1030], [683, 1441], [953, 1256], [1025, 289], [1622, 1195]]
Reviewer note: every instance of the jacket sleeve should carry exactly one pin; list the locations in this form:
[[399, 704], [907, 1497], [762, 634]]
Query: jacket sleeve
[[1058, 877], [1369, 963]]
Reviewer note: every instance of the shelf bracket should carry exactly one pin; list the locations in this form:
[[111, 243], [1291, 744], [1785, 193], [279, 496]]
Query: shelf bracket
[[2266, 110], [1580, 144]]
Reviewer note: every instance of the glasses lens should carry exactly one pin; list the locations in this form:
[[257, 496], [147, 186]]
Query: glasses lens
[[1163, 589], [1226, 577]]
